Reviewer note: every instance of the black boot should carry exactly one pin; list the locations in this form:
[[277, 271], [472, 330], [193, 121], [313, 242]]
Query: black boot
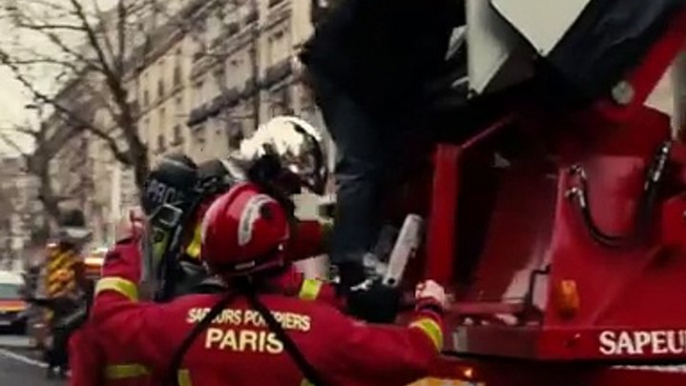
[[366, 297], [349, 275]]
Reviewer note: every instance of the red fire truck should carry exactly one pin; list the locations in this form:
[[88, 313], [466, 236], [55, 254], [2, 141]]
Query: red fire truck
[[558, 222]]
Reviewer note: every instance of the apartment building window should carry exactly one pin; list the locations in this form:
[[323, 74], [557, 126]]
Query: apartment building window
[[160, 80], [278, 47], [161, 144], [146, 127], [233, 28], [236, 68], [177, 136], [252, 15], [200, 134], [163, 119], [220, 76], [177, 68], [235, 136], [198, 94], [177, 75], [178, 106], [280, 101], [135, 108], [144, 90], [307, 104]]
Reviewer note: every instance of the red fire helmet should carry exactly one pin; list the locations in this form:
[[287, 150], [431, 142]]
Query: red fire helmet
[[244, 231]]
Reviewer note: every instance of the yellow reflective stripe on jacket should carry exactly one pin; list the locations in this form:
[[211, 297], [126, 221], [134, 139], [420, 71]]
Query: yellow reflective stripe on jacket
[[193, 249], [60, 278], [117, 284], [306, 382], [431, 329], [133, 370], [310, 289], [184, 378]]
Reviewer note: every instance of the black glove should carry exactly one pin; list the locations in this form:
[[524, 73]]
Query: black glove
[[73, 320], [374, 302]]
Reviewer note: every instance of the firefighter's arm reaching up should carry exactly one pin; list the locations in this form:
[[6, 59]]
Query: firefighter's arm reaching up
[[366, 354], [117, 313]]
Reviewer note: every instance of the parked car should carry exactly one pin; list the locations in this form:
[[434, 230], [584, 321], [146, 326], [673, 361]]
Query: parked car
[[13, 309]]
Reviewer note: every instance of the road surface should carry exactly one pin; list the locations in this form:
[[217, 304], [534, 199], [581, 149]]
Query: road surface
[[19, 366]]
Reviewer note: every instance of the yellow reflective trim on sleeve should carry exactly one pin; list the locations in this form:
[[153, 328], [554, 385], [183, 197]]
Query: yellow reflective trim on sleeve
[[445, 382], [117, 284], [309, 290], [193, 249], [306, 382], [133, 370], [431, 329], [184, 378]]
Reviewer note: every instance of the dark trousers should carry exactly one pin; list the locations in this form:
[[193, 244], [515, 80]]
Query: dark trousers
[[362, 155], [58, 356]]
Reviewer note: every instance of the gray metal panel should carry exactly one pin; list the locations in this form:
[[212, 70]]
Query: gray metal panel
[[542, 22], [491, 44]]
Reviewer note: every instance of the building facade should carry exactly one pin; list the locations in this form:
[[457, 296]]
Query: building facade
[[250, 77], [207, 74], [22, 217]]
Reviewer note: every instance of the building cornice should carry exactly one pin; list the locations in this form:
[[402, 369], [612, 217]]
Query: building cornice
[[232, 97]]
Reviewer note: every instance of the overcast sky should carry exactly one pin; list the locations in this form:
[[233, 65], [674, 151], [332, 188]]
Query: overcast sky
[[13, 100], [13, 96]]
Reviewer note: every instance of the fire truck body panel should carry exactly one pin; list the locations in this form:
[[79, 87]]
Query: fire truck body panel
[[559, 228]]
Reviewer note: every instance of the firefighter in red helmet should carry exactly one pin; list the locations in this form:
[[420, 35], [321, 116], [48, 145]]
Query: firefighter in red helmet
[[232, 337], [100, 362], [116, 364]]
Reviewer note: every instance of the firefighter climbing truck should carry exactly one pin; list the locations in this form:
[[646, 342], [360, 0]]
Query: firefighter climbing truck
[[557, 213]]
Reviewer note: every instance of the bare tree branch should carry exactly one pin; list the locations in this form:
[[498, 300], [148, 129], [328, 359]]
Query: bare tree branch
[[102, 17], [12, 143], [100, 65], [50, 27], [50, 61], [81, 124], [92, 38], [25, 21], [121, 32]]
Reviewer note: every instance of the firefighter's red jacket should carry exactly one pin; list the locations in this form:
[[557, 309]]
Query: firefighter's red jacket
[[98, 360], [238, 348], [85, 358]]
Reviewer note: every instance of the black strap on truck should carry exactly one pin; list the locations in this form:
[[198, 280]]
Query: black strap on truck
[[308, 371]]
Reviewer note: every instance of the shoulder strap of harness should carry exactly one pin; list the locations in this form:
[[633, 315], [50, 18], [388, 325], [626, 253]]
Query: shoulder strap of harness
[[308, 371], [180, 353]]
